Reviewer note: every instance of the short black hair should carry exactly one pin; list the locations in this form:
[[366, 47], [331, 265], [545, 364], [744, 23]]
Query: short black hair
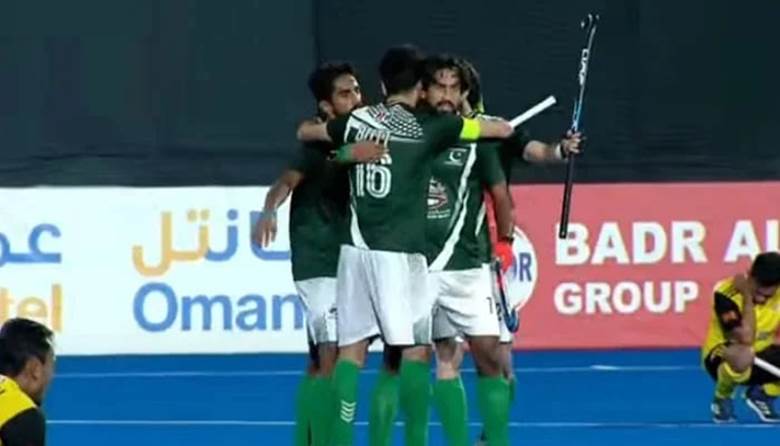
[[401, 68], [766, 269], [444, 62], [475, 85], [321, 80], [20, 341]]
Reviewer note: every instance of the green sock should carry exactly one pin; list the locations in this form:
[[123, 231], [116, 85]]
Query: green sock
[[493, 394], [415, 392], [450, 400], [345, 381], [303, 411], [384, 408], [321, 411]]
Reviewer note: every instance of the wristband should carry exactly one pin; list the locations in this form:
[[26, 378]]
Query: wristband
[[344, 153], [560, 152]]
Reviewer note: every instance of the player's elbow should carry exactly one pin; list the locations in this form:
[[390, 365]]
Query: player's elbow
[[301, 133], [742, 335], [535, 152], [307, 131], [290, 179]]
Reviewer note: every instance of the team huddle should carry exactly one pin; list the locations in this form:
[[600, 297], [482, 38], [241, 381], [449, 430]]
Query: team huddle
[[389, 240]]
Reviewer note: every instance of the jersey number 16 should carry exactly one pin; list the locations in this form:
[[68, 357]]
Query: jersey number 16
[[376, 179]]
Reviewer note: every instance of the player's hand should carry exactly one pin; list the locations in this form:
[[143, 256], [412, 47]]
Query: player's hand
[[503, 251], [465, 107], [570, 144], [309, 122], [313, 120], [368, 152], [505, 128], [265, 229], [312, 130]]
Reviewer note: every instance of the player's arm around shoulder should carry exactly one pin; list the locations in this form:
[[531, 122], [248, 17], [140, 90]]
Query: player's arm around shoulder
[[470, 129], [485, 128], [28, 428], [313, 130], [317, 130]]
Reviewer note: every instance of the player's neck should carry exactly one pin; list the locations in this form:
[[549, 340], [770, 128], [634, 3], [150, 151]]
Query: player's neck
[[408, 98]]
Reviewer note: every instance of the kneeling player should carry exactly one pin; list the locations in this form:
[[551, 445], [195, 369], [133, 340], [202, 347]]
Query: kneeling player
[[744, 325]]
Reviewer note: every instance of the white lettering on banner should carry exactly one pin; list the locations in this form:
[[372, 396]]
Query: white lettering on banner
[[598, 301], [662, 301], [684, 291], [627, 297], [624, 297], [687, 238], [610, 245], [565, 303], [744, 240], [573, 250], [642, 254]]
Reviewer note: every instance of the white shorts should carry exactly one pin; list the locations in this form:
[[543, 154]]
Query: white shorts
[[464, 303], [382, 293], [319, 300]]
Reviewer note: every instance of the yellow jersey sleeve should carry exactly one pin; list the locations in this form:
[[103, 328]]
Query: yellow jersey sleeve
[[12, 400]]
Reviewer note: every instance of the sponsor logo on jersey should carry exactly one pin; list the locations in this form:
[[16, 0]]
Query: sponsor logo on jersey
[[438, 200]]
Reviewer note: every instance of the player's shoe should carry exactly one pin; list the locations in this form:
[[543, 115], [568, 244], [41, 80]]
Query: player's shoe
[[762, 404], [481, 441], [723, 410]]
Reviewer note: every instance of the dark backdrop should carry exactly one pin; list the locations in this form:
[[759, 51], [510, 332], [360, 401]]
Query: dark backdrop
[[186, 92]]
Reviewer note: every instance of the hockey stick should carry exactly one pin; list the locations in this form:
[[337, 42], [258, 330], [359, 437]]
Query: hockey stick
[[589, 25]]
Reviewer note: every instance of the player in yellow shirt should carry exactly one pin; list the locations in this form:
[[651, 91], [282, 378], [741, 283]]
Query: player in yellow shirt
[[26, 369], [744, 325]]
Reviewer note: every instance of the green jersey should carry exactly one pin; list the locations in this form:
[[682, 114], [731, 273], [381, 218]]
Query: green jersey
[[387, 209], [512, 149], [502, 159], [457, 235], [317, 213]]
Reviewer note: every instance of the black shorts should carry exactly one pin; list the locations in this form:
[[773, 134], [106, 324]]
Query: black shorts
[[758, 376]]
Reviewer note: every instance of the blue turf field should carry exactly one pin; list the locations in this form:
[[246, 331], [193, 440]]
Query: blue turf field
[[622, 398]]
